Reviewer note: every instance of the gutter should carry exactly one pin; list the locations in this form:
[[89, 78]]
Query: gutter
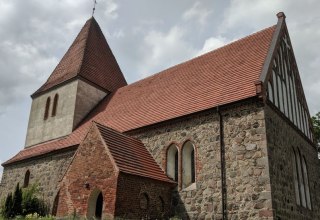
[[223, 167]]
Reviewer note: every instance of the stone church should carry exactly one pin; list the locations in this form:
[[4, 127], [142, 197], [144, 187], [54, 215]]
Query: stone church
[[226, 135]]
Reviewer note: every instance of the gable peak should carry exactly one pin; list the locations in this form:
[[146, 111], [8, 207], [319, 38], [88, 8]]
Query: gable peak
[[281, 15], [90, 58]]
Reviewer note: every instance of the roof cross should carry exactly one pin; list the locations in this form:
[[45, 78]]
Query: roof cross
[[94, 6]]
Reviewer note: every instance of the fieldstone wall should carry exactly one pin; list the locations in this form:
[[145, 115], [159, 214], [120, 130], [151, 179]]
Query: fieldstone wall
[[282, 138], [247, 169], [46, 171], [204, 200], [248, 186]]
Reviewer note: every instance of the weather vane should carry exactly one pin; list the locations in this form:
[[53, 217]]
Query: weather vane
[[94, 6]]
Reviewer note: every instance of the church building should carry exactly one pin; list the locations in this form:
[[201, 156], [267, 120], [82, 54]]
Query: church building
[[226, 135]]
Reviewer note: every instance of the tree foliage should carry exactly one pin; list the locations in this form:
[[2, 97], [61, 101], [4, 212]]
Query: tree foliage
[[24, 202], [17, 200], [7, 211], [316, 126]]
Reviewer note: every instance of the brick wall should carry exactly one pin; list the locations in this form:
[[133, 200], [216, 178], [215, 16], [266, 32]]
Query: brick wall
[[91, 165], [131, 189]]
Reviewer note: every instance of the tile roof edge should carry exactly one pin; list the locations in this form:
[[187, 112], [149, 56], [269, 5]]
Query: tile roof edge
[[168, 180], [10, 161], [116, 131]]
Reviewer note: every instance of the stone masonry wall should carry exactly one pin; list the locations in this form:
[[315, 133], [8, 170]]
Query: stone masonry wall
[[281, 138], [203, 131], [131, 188], [46, 171], [247, 170], [248, 186]]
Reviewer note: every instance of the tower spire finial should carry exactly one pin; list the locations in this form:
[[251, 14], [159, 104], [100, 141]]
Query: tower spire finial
[[94, 6]]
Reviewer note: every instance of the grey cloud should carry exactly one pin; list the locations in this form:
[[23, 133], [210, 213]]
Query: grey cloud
[[145, 36]]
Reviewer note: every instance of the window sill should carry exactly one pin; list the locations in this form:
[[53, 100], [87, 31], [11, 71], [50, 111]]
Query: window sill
[[193, 186]]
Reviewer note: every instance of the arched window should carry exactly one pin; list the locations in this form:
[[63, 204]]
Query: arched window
[[144, 201], [301, 180], [160, 205], [46, 112], [295, 176], [188, 164], [55, 104], [306, 182], [26, 179], [172, 162]]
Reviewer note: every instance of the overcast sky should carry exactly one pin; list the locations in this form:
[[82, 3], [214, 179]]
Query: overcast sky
[[145, 36]]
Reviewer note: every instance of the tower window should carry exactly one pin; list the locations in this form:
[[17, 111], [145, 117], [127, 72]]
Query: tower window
[[46, 112], [55, 104]]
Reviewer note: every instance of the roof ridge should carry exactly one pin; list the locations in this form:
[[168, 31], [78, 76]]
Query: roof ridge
[[115, 131], [85, 46]]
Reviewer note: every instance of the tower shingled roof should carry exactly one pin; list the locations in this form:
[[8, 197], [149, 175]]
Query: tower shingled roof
[[90, 58]]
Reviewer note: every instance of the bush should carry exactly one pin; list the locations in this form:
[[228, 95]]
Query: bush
[[24, 202], [31, 203]]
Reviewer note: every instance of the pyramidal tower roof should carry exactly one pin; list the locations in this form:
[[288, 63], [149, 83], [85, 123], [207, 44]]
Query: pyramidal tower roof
[[89, 58]]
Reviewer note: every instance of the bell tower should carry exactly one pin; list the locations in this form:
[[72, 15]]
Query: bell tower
[[86, 74]]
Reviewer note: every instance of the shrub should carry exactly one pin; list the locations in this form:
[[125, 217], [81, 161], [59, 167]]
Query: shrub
[[24, 203], [31, 203]]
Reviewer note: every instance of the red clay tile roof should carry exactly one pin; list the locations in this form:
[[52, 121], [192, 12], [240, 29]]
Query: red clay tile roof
[[130, 155], [222, 76], [89, 57]]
